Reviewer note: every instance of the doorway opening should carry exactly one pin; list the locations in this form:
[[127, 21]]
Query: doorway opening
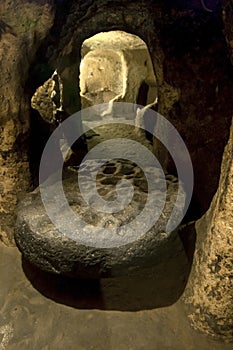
[[116, 67]]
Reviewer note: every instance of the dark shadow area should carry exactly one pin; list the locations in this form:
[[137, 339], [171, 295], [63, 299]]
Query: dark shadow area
[[193, 212], [142, 100], [200, 5], [150, 288], [40, 131], [5, 29], [39, 135], [187, 234], [142, 94]]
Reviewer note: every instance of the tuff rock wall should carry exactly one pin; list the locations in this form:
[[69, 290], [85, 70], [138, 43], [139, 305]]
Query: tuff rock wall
[[23, 27]]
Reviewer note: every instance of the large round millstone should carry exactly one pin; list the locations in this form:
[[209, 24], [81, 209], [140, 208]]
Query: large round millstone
[[51, 250]]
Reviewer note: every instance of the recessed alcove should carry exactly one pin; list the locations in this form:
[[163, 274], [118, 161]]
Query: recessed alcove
[[116, 67]]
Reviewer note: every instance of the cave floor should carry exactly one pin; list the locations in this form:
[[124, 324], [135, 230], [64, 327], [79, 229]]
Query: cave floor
[[31, 318]]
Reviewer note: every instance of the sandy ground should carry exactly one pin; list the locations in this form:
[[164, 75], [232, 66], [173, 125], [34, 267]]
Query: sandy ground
[[66, 314]]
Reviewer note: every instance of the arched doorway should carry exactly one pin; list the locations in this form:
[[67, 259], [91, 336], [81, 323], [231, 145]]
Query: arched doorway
[[116, 67]]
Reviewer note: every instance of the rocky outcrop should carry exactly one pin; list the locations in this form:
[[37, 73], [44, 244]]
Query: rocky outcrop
[[47, 99], [209, 293], [23, 26]]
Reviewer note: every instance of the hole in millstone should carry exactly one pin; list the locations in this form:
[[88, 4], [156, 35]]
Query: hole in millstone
[[109, 181], [109, 170]]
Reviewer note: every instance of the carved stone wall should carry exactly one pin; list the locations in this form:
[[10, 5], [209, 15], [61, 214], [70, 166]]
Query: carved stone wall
[[23, 26], [209, 293]]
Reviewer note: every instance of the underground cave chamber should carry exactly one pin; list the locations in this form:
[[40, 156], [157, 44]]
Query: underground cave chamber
[[115, 67], [188, 48]]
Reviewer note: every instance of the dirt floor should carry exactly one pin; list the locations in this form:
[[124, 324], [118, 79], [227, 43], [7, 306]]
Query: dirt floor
[[42, 312]]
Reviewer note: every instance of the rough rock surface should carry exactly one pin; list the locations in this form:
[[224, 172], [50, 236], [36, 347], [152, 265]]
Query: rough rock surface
[[23, 26], [46, 247], [47, 99], [209, 293]]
